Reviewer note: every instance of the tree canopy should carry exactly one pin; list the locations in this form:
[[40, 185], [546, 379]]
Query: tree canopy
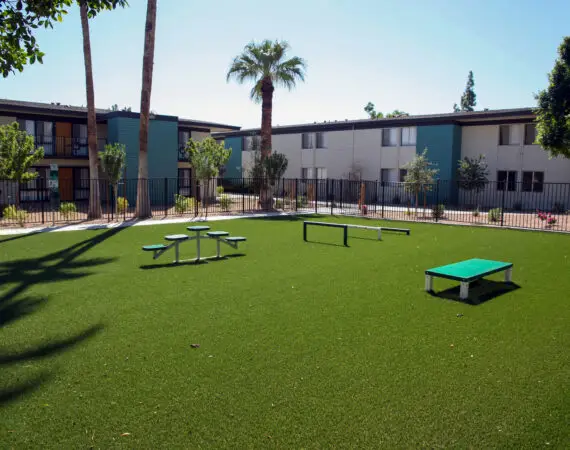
[[370, 109], [20, 19], [553, 112], [473, 173], [206, 157], [468, 98]]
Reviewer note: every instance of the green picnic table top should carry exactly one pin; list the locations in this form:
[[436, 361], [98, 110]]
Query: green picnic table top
[[469, 270], [198, 228]]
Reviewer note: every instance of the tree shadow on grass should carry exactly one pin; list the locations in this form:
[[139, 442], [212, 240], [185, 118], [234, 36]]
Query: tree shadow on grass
[[480, 291], [26, 273]]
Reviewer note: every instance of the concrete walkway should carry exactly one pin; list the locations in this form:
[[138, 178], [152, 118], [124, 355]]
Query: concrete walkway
[[138, 223]]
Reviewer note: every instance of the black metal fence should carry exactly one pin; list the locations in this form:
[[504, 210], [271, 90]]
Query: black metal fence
[[525, 205]]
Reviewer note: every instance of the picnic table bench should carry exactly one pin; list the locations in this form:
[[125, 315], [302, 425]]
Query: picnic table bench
[[468, 271]]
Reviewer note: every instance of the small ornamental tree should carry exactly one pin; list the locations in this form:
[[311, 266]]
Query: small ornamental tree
[[113, 162], [473, 173], [17, 156], [206, 157], [420, 176]]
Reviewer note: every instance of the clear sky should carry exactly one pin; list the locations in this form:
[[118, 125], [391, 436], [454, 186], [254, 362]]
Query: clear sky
[[412, 55]]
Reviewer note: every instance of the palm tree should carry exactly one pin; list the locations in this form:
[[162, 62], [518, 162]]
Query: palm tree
[[87, 9], [266, 65], [143, 199], [94, 200]]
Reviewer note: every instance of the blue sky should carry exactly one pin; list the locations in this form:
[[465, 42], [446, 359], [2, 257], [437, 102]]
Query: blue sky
[[412, 55]]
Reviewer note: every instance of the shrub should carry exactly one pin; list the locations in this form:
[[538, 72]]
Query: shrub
[[225, 202], [220, 190], [183, 204], [438, 211], [558, 208], [19, 215], [67, 209], [495, 214], [122, 205], [301, 201], [475, 212], [278, 204]]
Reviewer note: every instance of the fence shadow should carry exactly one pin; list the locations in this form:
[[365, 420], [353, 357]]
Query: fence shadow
[[23, 274], [480, 291]]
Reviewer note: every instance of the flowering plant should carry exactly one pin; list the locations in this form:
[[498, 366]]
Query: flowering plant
[[546, 217]]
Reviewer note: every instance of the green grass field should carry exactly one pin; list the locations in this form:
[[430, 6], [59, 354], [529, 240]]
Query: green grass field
[[302, 345]]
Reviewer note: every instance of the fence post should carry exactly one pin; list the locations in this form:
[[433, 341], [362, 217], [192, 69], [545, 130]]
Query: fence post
[[383, 190], [165, 196], [42, 200], [436, 206], [332, 197], [341, 195], [503, 202], [296, 193], [242, 195], [316, 194]]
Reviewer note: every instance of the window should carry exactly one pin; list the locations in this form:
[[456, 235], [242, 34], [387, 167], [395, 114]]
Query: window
[[389, 137], [533, 181], [320, 138], [80, 147], [306, 140], [183, 138], [251, 143], [81, 183], [321, 173], [36, 189], [184, 183], [508, 135], [507, 178], [409, 136], [529, 133], [44, 136], [307, 173], [403, 173]]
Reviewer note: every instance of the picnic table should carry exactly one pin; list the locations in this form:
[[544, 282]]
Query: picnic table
[[466, 272]]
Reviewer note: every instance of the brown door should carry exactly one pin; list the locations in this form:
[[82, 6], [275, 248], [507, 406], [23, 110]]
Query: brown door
[[66, 184], [63, 139]]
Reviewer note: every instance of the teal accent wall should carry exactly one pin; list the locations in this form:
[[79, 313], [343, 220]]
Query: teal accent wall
[[444, 150], [162, 155], [233, 167]]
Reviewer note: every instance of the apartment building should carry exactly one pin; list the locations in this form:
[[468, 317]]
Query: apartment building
[[379, 149], [62, 132]]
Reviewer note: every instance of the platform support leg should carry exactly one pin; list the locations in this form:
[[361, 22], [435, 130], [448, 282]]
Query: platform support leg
[[429, 283], [509, 275], [464, 290]]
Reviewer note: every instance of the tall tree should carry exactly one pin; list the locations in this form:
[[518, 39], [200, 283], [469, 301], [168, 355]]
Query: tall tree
[[89, 9], [143, 199], [473, 173], [370, 109], [468, 99], [553, 113], [266, 65], [397, 113], [17, 155]]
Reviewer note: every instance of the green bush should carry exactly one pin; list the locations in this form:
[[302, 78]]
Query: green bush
[[438, 211], [278, 204], [67, 209], [495, 214], [225, 202], [301, 201], [220, 190], [19, 215], [183, 204], [122, 205]]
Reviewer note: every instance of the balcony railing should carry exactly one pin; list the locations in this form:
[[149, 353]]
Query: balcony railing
[[182, 155], [66, 147]]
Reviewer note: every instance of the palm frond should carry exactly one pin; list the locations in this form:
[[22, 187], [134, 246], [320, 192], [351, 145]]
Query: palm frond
[[255, 93]]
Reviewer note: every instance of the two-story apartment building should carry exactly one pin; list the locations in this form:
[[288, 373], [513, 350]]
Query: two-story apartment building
[[379, 149], [62, 132]]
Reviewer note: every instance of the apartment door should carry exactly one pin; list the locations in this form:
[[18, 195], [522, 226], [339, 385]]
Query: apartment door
[[63, 139], [66, 184]]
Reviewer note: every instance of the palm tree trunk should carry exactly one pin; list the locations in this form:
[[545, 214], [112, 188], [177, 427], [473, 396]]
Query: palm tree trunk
[[143, 199], [265, 197], [94, 199]]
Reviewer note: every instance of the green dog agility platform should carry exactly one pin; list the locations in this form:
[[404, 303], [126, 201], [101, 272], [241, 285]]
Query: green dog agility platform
[[468, 271]]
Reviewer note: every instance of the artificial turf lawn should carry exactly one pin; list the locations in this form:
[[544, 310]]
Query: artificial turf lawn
[[301, 344]]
